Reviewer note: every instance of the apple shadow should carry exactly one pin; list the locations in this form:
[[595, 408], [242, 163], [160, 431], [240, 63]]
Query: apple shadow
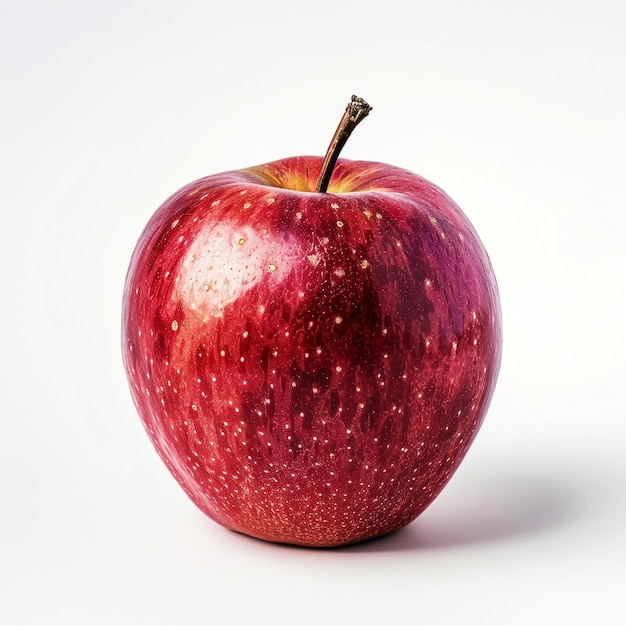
[[484, 510]]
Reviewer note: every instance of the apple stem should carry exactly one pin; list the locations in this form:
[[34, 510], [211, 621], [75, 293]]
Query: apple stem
[[355, 112]]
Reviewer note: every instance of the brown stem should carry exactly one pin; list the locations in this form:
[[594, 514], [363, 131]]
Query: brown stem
[[355, 112]]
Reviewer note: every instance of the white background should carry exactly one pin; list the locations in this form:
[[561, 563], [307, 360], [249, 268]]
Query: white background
[[516, 109]]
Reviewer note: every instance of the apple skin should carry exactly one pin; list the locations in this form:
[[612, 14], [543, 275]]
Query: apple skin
[[311, 367]]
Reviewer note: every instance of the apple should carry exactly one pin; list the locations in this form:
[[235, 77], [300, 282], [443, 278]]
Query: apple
[[311, 344]]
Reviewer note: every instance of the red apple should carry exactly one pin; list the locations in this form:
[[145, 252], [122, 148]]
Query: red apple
[[311, 366]]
